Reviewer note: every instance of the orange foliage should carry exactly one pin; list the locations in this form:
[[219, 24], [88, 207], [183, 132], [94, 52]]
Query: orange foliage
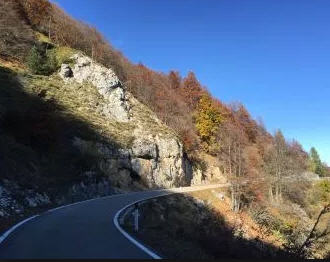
[[191, 90]]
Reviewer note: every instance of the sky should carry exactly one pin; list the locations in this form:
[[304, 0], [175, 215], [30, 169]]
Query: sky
[[273, 56]]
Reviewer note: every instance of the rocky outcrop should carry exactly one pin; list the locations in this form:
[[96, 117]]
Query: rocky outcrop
[[211, 173], [156, 162], [104, 79], [156, 155], [160, 162]]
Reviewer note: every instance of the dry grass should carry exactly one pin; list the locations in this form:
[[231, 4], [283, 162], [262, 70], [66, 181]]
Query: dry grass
[[43, 38], [238, 220], [180, 227], [83, 102], [13, 65]]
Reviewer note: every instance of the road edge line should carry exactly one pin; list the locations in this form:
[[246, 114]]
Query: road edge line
[[134, 241], [10, 230], [128, 236]]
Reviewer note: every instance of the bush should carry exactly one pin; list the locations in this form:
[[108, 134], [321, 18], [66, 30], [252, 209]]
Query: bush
[[41, 63], [320, 193], [33, 61]]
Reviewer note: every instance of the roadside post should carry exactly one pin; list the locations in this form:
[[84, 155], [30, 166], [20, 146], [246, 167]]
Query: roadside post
[[136, 217]]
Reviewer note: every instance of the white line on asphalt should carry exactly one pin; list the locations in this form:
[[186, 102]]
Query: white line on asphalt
[[130, 238], [173, 191], [115, 219], [10, 230]]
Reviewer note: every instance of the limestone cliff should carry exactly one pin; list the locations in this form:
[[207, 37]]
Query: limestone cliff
[[80, 134], [155, 154]]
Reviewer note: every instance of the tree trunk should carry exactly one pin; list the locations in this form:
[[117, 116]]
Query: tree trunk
[[271, 196]]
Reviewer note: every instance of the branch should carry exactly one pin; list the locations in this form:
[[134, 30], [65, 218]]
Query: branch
[[309, 239]]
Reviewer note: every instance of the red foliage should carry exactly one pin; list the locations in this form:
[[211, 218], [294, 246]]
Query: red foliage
[[191, 90]]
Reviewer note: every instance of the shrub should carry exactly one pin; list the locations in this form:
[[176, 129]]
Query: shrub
[[42, 64], [320, 193], [33, 61]]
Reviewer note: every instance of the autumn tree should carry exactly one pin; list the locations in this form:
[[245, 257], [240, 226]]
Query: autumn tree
[[256, 186], [175, 79], [191, 90], [208, 118], [38, 13], [280, 163], [250, 126], [231, 151], [275, 165]]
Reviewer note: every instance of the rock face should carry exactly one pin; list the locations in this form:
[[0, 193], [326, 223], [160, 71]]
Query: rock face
[[156, 162], [212, 173], [160, 162], [155, 156], [104, 79]]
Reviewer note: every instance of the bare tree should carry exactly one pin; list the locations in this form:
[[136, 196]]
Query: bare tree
[[233, 142], [276, 166]]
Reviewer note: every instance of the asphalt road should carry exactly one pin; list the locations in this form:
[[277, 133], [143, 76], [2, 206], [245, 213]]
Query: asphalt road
[[82, 230]]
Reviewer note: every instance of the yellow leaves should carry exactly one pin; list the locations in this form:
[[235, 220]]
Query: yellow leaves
[[207, 119]]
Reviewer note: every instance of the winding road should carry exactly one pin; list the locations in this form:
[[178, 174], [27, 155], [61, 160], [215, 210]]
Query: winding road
[[87, 229]]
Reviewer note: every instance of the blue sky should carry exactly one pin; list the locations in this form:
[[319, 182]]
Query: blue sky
[[273, 56]]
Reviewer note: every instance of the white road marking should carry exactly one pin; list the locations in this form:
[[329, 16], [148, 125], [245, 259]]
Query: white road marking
[[115, 219], [10, 230], [173, 191]]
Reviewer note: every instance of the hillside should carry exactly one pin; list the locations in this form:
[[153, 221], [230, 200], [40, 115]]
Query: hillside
[[78, 120]]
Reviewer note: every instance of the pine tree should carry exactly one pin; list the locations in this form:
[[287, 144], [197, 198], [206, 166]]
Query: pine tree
[[315, 164]]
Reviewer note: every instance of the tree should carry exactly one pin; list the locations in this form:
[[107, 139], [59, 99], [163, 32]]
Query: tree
[[191, 90], [40, 62], [208, 118], [231, 152], [276, 166], [314, 236], [250, 126], [175, 79], [315, 164]]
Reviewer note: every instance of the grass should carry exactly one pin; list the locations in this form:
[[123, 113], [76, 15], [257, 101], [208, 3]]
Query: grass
[[43, 38], [63, 55], [83, 102], [148, 120]]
